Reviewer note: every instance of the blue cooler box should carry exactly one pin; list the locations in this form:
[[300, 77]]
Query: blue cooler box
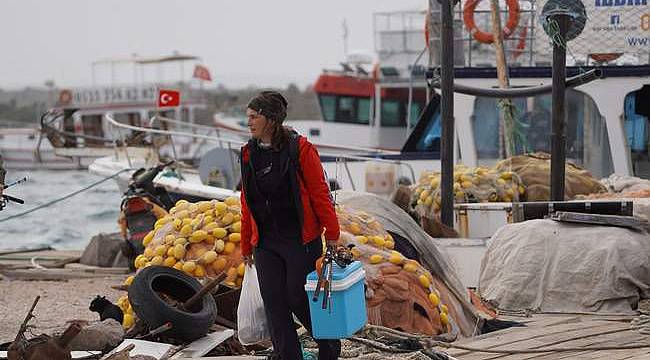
[[347, 313]]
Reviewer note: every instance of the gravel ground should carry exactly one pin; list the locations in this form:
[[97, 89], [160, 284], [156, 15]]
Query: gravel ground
[[60, 301]]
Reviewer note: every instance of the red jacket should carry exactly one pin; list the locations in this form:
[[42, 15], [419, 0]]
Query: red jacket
[[317, 206]]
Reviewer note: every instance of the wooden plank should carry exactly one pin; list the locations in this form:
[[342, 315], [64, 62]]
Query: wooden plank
[[537, 338], [602, 220], [49, 274], [563, 339], [513, 335], [608, 339], [46, 254], [20, 251], [621, 338], [534, 322], [97, 269], [632, 338], [644, 356]]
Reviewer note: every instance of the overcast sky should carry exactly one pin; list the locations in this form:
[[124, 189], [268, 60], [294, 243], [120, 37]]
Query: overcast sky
[[243, 42]]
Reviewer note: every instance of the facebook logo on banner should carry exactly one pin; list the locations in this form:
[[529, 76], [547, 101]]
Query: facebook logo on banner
[[615, 19], [621, 2]]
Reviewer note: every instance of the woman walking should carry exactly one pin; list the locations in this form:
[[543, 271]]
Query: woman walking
[[286, 205]]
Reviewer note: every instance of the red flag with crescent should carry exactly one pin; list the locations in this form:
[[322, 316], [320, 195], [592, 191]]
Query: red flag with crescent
[[167, 98]]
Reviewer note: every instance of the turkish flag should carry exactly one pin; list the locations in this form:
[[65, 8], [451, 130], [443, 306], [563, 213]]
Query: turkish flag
[[202, 72], [168, 98]]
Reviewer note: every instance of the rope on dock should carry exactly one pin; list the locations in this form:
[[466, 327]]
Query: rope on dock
[[65, 197]]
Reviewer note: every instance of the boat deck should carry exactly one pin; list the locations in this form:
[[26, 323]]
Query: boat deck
[[560, 331]]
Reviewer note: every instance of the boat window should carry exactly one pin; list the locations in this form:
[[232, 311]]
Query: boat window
[[92, 126], [415, 113], [185, 115], [132, 119], [328, 105], [390, 114], [637, 111], [425, 136], [345, 109], [364, 110], [430, 141], [587, 141]]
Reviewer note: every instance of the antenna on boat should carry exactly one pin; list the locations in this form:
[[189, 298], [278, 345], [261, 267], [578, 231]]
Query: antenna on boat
[[345, 38]]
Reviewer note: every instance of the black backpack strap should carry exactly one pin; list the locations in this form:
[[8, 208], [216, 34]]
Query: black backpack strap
[[294, 155]]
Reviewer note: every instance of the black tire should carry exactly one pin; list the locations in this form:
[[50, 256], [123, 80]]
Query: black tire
[[154, 311]]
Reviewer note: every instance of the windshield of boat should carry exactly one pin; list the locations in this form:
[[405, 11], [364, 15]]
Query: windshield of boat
[[637, 111], [586, 132]]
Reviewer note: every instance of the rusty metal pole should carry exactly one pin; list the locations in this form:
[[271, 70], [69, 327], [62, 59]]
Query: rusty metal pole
[[447, 113], [558, 125]]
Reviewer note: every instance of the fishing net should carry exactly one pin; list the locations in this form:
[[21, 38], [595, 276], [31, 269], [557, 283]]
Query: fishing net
[[201, 239], [471, 185], [396, 285], [534, 172]]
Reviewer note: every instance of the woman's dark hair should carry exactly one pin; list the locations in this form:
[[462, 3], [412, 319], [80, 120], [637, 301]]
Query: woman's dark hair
[[273, 106]]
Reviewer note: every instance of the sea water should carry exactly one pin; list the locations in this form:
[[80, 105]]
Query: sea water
[[68, 224]]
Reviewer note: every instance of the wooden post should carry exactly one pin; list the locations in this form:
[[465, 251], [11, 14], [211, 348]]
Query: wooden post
[[504, 81]]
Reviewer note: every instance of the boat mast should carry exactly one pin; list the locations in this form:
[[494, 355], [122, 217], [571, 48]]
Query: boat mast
[[345, 39]]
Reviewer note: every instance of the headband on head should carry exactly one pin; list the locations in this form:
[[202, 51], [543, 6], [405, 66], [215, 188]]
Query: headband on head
[[271, 104]]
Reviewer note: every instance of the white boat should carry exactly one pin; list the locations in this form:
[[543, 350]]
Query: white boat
[[365, 113], [27, 149], [76, 127], [379, 106]]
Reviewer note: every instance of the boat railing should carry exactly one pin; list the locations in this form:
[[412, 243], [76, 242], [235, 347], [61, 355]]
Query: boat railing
[[232, 145], [208, 128], [321, 145]]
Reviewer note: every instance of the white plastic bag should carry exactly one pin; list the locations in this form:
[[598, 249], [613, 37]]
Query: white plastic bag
[[252, 326]]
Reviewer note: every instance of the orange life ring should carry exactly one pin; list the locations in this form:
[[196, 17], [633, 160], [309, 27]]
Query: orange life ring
[[485, 37], [426, 31], [602, 57], [521, 44]]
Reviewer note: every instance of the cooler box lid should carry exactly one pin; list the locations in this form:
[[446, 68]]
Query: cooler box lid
[[342, 278]]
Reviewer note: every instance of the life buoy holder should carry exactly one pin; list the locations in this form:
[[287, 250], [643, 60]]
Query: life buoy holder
[[486, 37]]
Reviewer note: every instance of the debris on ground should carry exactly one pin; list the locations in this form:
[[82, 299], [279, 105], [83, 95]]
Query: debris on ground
[[131, 349], [43, 346], [100, 336]]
